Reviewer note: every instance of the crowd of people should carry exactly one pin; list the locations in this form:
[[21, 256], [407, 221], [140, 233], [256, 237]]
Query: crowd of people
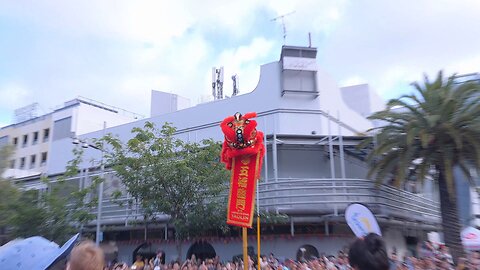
[[368, 253]]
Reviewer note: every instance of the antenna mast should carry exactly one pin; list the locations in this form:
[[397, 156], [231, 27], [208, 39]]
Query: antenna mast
[[282, 17], [235, 85], [217, 83]]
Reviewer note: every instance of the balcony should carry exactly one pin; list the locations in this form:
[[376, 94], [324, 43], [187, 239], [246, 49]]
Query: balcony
[[302, 197], [311, 198]]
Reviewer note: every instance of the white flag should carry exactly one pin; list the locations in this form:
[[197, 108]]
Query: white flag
[[361, 220]]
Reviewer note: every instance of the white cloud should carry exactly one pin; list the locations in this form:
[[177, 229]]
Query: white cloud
[[154, 21], [465, 66], [146, 21], [13, 95], [317, 17], [393, 45], [244, 61], [117, 51]]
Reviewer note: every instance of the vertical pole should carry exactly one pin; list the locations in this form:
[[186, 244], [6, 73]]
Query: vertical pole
[[274, 151], [81, 179], [258, 240], [126, 211], [100, 194], [265, 167], [265, 162], [258, 224], [330, 148], [292, 227], [340, 143], [245, 250], [99, 210]]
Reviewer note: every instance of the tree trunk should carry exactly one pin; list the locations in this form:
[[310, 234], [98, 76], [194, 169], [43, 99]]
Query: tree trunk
[[450, 223]]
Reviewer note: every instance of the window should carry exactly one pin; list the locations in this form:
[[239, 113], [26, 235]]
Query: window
[[12, 164], [15, 141], [44, 159], [33, 159], [46, 134], [62, 128], [22, 163], [35, 137], [25, 140]]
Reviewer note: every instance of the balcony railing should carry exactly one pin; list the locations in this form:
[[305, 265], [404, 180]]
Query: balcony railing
[[310, 197], [332, 196]]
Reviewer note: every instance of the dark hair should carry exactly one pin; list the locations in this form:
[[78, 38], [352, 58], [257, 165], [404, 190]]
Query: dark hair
[[369, 253]]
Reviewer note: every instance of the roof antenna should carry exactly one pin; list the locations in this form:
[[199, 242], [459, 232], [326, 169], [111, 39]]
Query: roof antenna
[[309, 39], [282, 17], [235, 85]]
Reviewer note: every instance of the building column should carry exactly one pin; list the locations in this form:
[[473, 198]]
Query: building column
[[274, 151]]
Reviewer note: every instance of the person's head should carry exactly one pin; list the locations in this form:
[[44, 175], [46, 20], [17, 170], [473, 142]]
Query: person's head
[[86, 256], [429, 244], [369, 253], [119, 266], [429, 263], [444, 263], [403, 266], [393, 256], [138, 258]]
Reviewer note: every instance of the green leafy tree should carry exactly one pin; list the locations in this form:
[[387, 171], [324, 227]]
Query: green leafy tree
[[6, 152], [8, 192], [55, 213], [167, 175], [429, 133]]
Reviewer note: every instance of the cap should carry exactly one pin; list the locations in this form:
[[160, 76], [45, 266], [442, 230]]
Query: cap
[[33, 253]]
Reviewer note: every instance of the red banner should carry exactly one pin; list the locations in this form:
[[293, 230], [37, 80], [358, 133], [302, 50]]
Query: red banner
[[241, 201]]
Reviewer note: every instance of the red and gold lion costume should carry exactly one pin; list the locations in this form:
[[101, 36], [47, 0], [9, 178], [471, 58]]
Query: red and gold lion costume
[[241, 138]]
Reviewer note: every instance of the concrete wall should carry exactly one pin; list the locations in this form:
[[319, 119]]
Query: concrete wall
[[313, 162], [162, 103], [91, 118], [362, 99]]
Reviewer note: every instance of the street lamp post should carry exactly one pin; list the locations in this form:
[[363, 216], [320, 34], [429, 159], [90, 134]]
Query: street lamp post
[[100, 188]]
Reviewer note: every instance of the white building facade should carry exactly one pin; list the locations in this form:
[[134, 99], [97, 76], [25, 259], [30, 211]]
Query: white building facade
[[312, 168]]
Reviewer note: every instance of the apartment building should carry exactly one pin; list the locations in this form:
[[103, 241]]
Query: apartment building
[[31, 136]]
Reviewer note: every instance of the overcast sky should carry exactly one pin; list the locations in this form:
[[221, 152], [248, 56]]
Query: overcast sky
[[117, 51]]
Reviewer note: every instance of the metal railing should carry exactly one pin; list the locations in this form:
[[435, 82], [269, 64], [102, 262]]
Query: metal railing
[[306, 196], [332, 196]]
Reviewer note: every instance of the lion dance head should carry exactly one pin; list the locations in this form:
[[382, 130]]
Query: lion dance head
[[241, 138]]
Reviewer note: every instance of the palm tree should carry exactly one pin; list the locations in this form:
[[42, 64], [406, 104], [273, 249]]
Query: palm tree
[[428, 134]]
